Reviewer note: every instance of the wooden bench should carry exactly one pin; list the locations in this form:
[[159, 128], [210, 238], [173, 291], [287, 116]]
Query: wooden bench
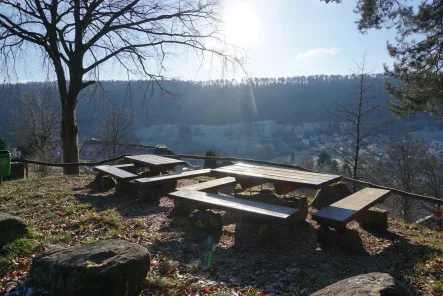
[[340, 213], [166, 183], [123, 177], [129, 167], [116, 172], [146, 182], [210, 186], [258, 209]]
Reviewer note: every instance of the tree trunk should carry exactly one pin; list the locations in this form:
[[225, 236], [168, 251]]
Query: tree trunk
[[69, 137]]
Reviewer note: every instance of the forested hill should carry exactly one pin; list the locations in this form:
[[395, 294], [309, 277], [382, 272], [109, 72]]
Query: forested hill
[[291, 100]]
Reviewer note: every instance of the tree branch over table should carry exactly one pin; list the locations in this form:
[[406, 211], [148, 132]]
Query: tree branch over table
[[78, 37]]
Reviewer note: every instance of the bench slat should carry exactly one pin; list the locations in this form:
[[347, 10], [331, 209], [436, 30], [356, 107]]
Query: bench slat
[[213, 184], [159, 179], [237, 205], [117, 173], [346, 209], [125, 165]]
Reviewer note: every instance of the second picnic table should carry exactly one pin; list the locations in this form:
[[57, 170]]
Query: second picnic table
[[284, 180], [156, 164]]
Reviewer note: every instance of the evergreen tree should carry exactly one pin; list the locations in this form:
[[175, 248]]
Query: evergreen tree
[[292, 158], [3, 144], [346, 170], [324, 160], [334, 167], [418, 51], [210, 163]]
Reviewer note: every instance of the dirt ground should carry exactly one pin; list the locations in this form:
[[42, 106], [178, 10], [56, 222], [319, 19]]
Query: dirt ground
[[186, 261]]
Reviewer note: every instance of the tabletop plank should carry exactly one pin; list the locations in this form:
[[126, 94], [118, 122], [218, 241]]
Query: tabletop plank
[[117, 173], [274, 174], [152, 160]]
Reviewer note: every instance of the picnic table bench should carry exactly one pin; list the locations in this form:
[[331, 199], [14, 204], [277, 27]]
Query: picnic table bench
[[340, 213], [210, 186], [263, 210], [165, 183], [116, 171]]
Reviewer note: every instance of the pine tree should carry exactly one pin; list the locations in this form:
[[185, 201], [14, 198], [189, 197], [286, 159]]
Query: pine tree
[[210, 163], [416, 79], [3, 144]]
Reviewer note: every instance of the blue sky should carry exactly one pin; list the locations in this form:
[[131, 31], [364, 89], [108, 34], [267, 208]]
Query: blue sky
[[282, 38], [300, 37]]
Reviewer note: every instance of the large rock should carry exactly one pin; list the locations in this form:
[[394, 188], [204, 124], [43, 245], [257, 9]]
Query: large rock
[[106, 267], [11, 227], [370, 284]]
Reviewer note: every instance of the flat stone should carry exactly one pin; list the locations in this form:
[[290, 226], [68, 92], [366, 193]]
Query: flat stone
[[370, 284], [11, 227], [106, 267]]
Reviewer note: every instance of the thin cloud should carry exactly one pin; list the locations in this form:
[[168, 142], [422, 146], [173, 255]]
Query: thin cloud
[[316, 52]]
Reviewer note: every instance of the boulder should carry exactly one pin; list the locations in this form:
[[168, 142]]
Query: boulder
[[331, 194], [106, 267], [11, 227], [370, 284]]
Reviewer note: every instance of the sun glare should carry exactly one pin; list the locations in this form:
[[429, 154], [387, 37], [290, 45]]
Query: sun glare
[[240, 24]]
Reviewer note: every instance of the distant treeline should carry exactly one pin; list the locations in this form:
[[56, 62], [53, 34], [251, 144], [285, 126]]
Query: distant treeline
[[286, 100]]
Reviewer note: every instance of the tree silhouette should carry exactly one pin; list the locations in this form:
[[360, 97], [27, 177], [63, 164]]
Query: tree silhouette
[[357, 131], [3, 144], [77, 37], [418, 51]]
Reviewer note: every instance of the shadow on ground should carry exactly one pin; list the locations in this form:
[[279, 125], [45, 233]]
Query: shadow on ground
[[291, 257]]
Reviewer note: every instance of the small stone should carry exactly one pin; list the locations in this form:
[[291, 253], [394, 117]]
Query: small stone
[[11, 227]]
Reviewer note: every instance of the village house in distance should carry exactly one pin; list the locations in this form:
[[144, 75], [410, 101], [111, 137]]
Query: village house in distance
[[97, 150]]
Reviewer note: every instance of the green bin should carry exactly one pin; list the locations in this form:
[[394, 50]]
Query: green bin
[[5, 163]]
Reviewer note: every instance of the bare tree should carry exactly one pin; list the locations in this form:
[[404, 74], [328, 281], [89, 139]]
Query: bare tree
[[357, 129], [77, 37], [433, 179], [403, 170], [35, 128], [117, 129]]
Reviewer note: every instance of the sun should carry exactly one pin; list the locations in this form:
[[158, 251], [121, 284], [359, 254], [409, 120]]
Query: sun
[[240, 24]]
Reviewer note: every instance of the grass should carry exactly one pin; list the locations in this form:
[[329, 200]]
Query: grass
[[49, 205], [57, 213], [27, 244]]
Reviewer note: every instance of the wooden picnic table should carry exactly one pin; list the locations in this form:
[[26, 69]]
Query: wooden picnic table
[[284, 180], [155, 163]]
